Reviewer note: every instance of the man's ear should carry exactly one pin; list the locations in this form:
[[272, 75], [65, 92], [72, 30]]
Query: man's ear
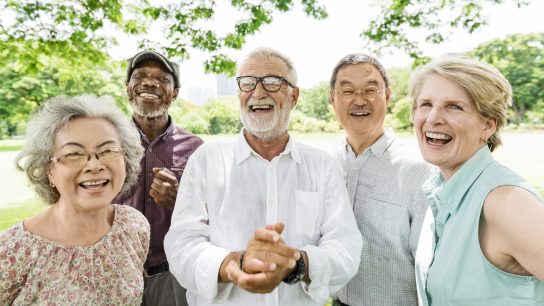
[[176, 91], [388, 95], [331, 97], [293, 94]]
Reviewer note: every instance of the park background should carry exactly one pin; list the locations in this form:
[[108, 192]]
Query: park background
[[48, 48]]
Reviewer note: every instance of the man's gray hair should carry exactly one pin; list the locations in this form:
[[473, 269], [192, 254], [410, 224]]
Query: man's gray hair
[[55, 113], [265, 52], [355, 59]]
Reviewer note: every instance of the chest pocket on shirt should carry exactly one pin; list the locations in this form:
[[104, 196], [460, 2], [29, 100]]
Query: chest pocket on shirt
[[309, 212]]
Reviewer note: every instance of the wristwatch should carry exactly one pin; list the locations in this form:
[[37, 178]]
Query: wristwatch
[[298, 274]]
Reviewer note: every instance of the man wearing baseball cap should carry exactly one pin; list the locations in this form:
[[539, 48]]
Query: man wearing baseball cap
[[152, 85]]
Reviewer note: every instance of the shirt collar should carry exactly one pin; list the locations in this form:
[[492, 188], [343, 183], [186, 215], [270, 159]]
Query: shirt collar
[[378, 147], [243, 151], [451, 192], [169, 129]]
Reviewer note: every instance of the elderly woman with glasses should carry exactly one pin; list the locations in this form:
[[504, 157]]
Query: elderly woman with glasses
[[482, 241], [79, 154]]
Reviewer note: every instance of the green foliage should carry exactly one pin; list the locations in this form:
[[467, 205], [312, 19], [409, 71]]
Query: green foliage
[[314, 102], [398, 79], [401, 114], [33, 71], [400, 104], [520, 57], [305, 124], [397, 21], [191, 117], [186, 24], [223, 115]]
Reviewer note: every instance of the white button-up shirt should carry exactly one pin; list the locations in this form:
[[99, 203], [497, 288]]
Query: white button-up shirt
[[227, 191]]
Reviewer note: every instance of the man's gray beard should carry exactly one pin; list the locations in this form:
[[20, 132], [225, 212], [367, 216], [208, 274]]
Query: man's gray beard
[[148, 114], [269, 128]]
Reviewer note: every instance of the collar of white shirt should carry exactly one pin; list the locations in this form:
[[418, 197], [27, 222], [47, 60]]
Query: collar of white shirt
[[243, 151]]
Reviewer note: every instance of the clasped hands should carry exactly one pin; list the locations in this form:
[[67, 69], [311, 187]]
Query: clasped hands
[[266, 261]]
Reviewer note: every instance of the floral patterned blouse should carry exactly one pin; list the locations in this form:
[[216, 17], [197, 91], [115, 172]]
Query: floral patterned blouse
[[34, 270]]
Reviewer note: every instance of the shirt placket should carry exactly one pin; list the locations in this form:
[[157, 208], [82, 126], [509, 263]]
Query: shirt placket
[[272, 299], [354, 166], [148, 175]]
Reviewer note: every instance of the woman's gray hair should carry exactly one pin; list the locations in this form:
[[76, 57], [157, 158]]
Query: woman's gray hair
[[55, 113], [356, 59], [265, 52]]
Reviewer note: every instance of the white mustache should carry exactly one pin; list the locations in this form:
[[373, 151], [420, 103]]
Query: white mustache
[[266, 101]]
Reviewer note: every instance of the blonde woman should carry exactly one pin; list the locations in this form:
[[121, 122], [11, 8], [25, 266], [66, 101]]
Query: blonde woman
[[482, 242]]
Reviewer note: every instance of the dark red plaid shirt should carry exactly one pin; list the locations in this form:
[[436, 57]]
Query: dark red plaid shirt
[[170, 150]]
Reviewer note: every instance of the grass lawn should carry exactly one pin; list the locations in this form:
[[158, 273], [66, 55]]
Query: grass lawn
[[10, 145], [14, 214], [522, 152]]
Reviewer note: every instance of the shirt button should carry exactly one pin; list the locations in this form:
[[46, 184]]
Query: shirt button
[[148, 200], [149, 174], [149, 150]]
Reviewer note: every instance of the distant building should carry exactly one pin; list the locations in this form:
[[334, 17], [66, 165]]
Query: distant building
[[200, 95], [226, 85]]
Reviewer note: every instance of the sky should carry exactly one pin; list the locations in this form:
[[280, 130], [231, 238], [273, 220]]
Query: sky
[[316, 45]]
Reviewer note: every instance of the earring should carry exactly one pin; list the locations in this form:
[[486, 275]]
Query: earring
[[51, 184]]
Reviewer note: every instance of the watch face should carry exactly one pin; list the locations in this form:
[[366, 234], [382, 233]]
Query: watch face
[[298, 274]]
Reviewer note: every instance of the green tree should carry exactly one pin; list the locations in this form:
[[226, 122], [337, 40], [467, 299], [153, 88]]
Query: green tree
[[186, 23], [398, 81], [300, 122], [223, 115], [397, 21], [314, 102], [190, 116], [36, 70], [520, 57], [400, 116]]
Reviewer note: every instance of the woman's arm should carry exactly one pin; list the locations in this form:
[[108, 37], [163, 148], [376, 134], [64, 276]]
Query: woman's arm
[[512, 231]]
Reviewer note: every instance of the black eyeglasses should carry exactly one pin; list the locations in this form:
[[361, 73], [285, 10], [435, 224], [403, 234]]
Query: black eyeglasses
[[270, 83]]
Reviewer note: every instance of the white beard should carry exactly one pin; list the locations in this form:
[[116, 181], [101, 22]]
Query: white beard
[[152, 113], [270, 126]]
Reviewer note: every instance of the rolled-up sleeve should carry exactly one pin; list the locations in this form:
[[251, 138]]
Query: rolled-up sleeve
[[193, 260], [335, 259]]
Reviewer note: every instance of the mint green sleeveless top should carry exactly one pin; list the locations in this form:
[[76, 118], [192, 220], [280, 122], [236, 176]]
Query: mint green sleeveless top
[[459, 273]]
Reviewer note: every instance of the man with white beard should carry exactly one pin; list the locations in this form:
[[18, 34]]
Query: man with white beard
[[152, 85], [262, 219]]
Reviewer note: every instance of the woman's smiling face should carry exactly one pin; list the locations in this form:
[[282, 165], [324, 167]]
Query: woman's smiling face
[[449, 128], [88, 184]]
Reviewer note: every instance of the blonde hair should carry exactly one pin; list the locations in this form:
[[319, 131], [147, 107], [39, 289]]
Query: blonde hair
[[489, 89]]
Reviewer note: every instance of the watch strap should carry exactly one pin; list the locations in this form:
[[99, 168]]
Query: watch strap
[[298, 274]]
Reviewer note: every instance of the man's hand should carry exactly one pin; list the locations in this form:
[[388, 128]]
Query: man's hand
[[164, 188], [262, 282], [267, 261], [267, 251]]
